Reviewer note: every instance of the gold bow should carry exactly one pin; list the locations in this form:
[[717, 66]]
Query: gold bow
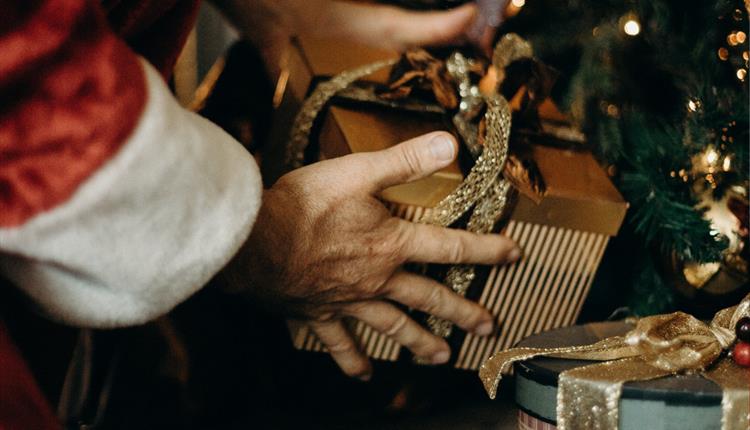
[[661, 345]]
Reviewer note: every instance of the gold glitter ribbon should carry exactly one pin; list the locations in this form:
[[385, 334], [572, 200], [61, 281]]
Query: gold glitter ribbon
[[299, 136], [484, 189], [588, 397], [491, 198]]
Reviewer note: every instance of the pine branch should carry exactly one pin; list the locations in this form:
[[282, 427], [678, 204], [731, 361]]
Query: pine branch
[[650, 294]]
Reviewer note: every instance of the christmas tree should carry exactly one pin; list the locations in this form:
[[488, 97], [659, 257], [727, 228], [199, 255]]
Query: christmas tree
[[660, 88]]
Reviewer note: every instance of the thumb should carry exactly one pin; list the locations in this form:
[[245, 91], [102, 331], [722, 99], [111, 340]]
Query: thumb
[[410, 160]]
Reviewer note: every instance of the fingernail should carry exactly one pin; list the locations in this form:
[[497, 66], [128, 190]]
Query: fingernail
[[365, 378], [442, 147], [441, 357], [484, 329], [514, 254]]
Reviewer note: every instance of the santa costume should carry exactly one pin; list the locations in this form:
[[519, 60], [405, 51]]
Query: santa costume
[[116, 204]]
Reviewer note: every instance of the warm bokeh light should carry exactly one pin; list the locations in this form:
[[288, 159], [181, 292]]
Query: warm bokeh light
[[723, 53], [631, 27], [727, 163], [711, 157], [732, 39]]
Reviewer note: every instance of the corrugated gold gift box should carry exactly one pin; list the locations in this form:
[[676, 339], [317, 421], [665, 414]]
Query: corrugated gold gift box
[[563, 231]]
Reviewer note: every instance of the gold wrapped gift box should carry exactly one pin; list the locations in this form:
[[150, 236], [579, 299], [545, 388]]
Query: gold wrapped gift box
[[563, 230]]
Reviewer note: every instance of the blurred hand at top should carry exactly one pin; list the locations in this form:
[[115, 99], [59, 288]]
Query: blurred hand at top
[[270, 22]]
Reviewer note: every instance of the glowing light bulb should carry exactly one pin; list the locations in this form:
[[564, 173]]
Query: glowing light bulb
[[723, 54], [693, 105], [711, 157], [741, 74], [613, 111], [741, 37], [518, 3], [631, 27], [727, 163]]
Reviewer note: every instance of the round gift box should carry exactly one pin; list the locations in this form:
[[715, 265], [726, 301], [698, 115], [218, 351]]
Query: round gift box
[[684, 402]]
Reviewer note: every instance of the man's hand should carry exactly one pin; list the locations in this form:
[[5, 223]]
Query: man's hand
[[324, 247], [269, 23], [381, 26]]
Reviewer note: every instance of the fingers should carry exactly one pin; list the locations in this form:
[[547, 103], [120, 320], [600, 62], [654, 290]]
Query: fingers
[[342, 348], [432, 244], [484, 41], [436, 299], [488, 18], [408, 161], [410, 29], [389, 320], [385, 27]]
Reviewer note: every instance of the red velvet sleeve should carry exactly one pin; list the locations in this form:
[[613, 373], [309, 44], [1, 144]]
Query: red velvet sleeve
[[22, 404], [70, 94]]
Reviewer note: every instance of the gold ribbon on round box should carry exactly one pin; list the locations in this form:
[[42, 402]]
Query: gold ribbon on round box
[[588, 397], [557, 202]]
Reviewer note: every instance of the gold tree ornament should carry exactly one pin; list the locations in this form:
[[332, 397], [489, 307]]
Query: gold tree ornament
[[715, 281]]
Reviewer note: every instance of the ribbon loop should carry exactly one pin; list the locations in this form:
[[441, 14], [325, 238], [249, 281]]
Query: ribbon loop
[[675, 342]]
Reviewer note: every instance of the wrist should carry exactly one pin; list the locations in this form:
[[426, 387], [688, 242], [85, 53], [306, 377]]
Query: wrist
[[258, 265]]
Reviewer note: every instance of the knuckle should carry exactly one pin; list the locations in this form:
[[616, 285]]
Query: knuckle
[[456, 250], [411, 161], [356, 309], [325, 316], [400, 238], [390, 243], [341, 346], [433, 300], [396, 325]]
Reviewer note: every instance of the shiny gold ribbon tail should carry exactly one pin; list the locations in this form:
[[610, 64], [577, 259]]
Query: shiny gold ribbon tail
[[493, 369]]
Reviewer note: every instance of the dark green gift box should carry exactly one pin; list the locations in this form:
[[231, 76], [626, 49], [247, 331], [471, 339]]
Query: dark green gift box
[[684, 402]]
